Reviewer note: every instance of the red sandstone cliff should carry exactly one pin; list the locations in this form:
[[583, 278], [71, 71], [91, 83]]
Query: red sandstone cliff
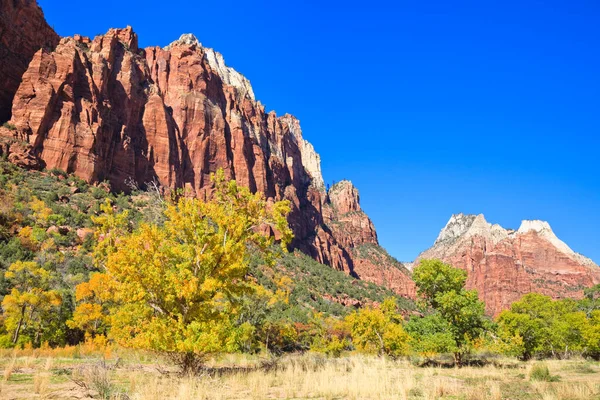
[[23, 31], [105, 109], [355, 231], [503, 265]]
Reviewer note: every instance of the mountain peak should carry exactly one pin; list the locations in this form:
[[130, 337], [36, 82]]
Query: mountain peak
[[543, 230], [468, 225], [188, 39], [459, 224], [534, 225], [464, 226], [504, 264], [228, 75], [344, 197]]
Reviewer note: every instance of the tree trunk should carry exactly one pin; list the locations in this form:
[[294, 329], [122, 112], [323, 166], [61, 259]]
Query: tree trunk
[[381, 344], [458, 359], [19, 325], [190, 363]]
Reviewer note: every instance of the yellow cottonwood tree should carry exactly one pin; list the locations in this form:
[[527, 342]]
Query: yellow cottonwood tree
[[30, 300], [176, 285], [92, 313], [379, 330], [40, 212]]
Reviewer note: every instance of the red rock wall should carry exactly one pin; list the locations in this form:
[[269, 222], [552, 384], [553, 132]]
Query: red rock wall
[[23, 31], [107, 110]]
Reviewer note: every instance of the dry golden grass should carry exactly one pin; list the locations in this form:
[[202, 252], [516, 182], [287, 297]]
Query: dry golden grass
[[9, 368], [360, 377], [308, 376]]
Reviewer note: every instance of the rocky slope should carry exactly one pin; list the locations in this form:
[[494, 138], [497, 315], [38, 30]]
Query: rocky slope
[[504, 264], [104, 109], [23, 31], [355, 231]]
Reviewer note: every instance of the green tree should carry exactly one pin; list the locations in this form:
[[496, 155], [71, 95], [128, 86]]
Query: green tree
[[466, 315], [591, 335], [591, 300], [547, 327], [431, 335], [434, 278], [442, 288]]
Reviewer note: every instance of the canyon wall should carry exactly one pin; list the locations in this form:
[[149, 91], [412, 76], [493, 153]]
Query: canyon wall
[[105, 109], [23, 31]]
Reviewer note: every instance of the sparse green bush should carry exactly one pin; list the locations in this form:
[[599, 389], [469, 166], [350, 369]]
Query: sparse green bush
[[540, 372], [58, 172], [9, 126]]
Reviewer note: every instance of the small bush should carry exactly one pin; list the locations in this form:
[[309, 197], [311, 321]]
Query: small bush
[[58, 172], [540, 372], [9, 126], [97, 377]]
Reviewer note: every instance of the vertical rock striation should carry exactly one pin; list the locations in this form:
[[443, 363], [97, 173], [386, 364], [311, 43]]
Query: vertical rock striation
[[105, 109], [23, 31]]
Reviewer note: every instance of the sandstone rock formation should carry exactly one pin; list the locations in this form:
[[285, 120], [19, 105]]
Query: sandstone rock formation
[[355, 231], [504, 264], [23, 31], [105, 109]]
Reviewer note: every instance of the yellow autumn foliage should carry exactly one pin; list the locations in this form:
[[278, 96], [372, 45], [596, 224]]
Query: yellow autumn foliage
[[30, 300], [174, 287]]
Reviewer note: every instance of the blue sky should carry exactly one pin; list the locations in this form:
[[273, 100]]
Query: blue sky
[[430, 107]]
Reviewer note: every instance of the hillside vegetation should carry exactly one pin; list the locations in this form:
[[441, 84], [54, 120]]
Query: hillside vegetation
[[191, 280], [47, 242]]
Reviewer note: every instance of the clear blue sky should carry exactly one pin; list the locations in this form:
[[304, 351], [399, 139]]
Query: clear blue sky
[[430, 107]]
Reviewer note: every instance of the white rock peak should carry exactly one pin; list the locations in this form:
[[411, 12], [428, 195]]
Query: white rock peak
[[228, 75], [464, 226], [461, 225], [543, 229], [189, 39]]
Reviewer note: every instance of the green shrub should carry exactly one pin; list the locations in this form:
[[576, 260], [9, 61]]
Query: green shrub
[[56, 219], [6, 341], [540, 372], [58, 172], [9, 126]]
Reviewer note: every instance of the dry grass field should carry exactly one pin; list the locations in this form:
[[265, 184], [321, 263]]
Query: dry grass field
[[52, 375]]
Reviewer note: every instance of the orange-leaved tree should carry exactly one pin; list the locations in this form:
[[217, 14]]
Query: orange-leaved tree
[[175, 287], [94, 298]]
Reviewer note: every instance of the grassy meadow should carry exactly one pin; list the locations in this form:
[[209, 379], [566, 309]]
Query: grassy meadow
[[75, 374]]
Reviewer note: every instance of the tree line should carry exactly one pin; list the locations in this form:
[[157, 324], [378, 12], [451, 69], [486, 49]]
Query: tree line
[[180, 284]]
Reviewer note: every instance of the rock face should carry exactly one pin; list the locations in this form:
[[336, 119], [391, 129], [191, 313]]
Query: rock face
[[354, 230], [504, 264], [23, 31], [105, 109]]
